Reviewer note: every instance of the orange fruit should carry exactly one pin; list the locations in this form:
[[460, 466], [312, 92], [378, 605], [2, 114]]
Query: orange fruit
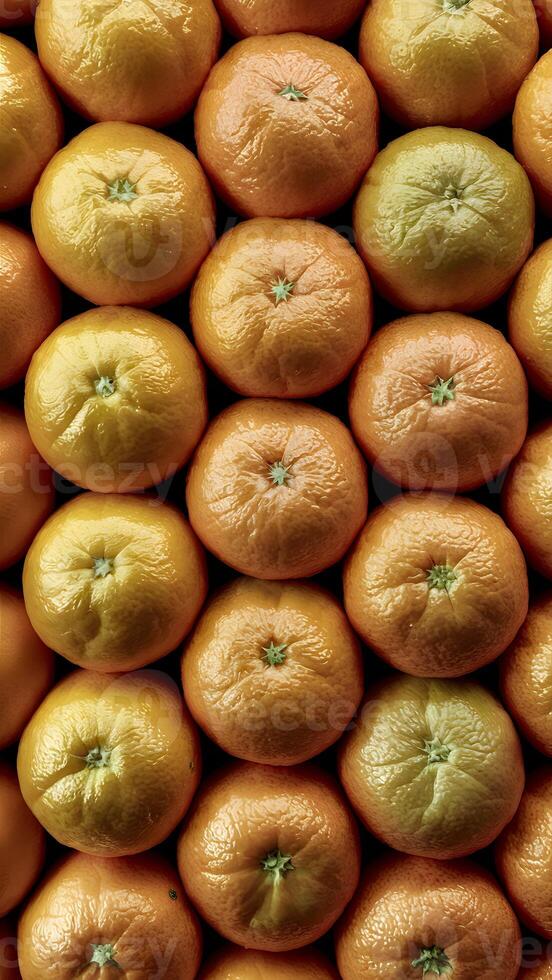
[[273, 672], [8, 950], [270, 856], [526, 499], [433, 768], [233, 963], [26, 666], [146, 208], [524, 855], [281, 308], [444, 220], [109, 764], [129, 61], [277, 489], [21, 843], [530, 318], [114, 582], [26, 490], [102, 915], [441, 64], [439, 401], [286, 126], [31, 123], [532, 123], [115, 399], [17, 13], [245, 17], [526, 675], [30, 304], [413, 917], [436, 585]]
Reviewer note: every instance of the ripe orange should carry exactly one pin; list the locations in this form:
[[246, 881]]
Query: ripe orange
[[526, 675], [273, 671], [8, 950], [26, 666], [30, 305], [132, 62], [21, 843], [454, 63], [115, 399], [433, 768], [533, 130], [524, 855], [233, 963], [109, 764], [530, 318], [124, 215], [281, 308], [286, 126], [444, 220], [103, 915], [245, 17], [439, 401], [17, 13], [114, 582], [413, 917], [277, 489], [526, 499], [31, 127], [26, 490], [436, 585], [269, 856]]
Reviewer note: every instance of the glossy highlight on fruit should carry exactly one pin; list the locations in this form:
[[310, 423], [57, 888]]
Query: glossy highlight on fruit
[[434, 768], [115, 399], [526, 498], [526, 675], [532, 127], [286, 126], [109, 763], [288, 472], [444, 220]]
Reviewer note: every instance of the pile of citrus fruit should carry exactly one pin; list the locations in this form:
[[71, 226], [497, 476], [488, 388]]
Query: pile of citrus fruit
[[275, 489]]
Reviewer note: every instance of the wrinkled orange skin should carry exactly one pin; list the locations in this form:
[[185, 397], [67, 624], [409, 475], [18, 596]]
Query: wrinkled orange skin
[[526, 675], [262, 528], [526, 499], [30, 303], [460, 444], [293, 348], [532, 128], [282, 713], [243, 814], [8, 950], [433, 65], [21, 843], [233, 963], [530, 318], [329, 20], [442, 807], [146, 429], [26, 666], [133, 799], [270, 156], [137, 252], [524, 855], [407, 904], [128, 61], [31, 123], [425, 630], [135, 904], [26, 490]]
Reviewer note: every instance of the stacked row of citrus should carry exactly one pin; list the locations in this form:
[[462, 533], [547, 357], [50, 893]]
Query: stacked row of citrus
[[276, 667]]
